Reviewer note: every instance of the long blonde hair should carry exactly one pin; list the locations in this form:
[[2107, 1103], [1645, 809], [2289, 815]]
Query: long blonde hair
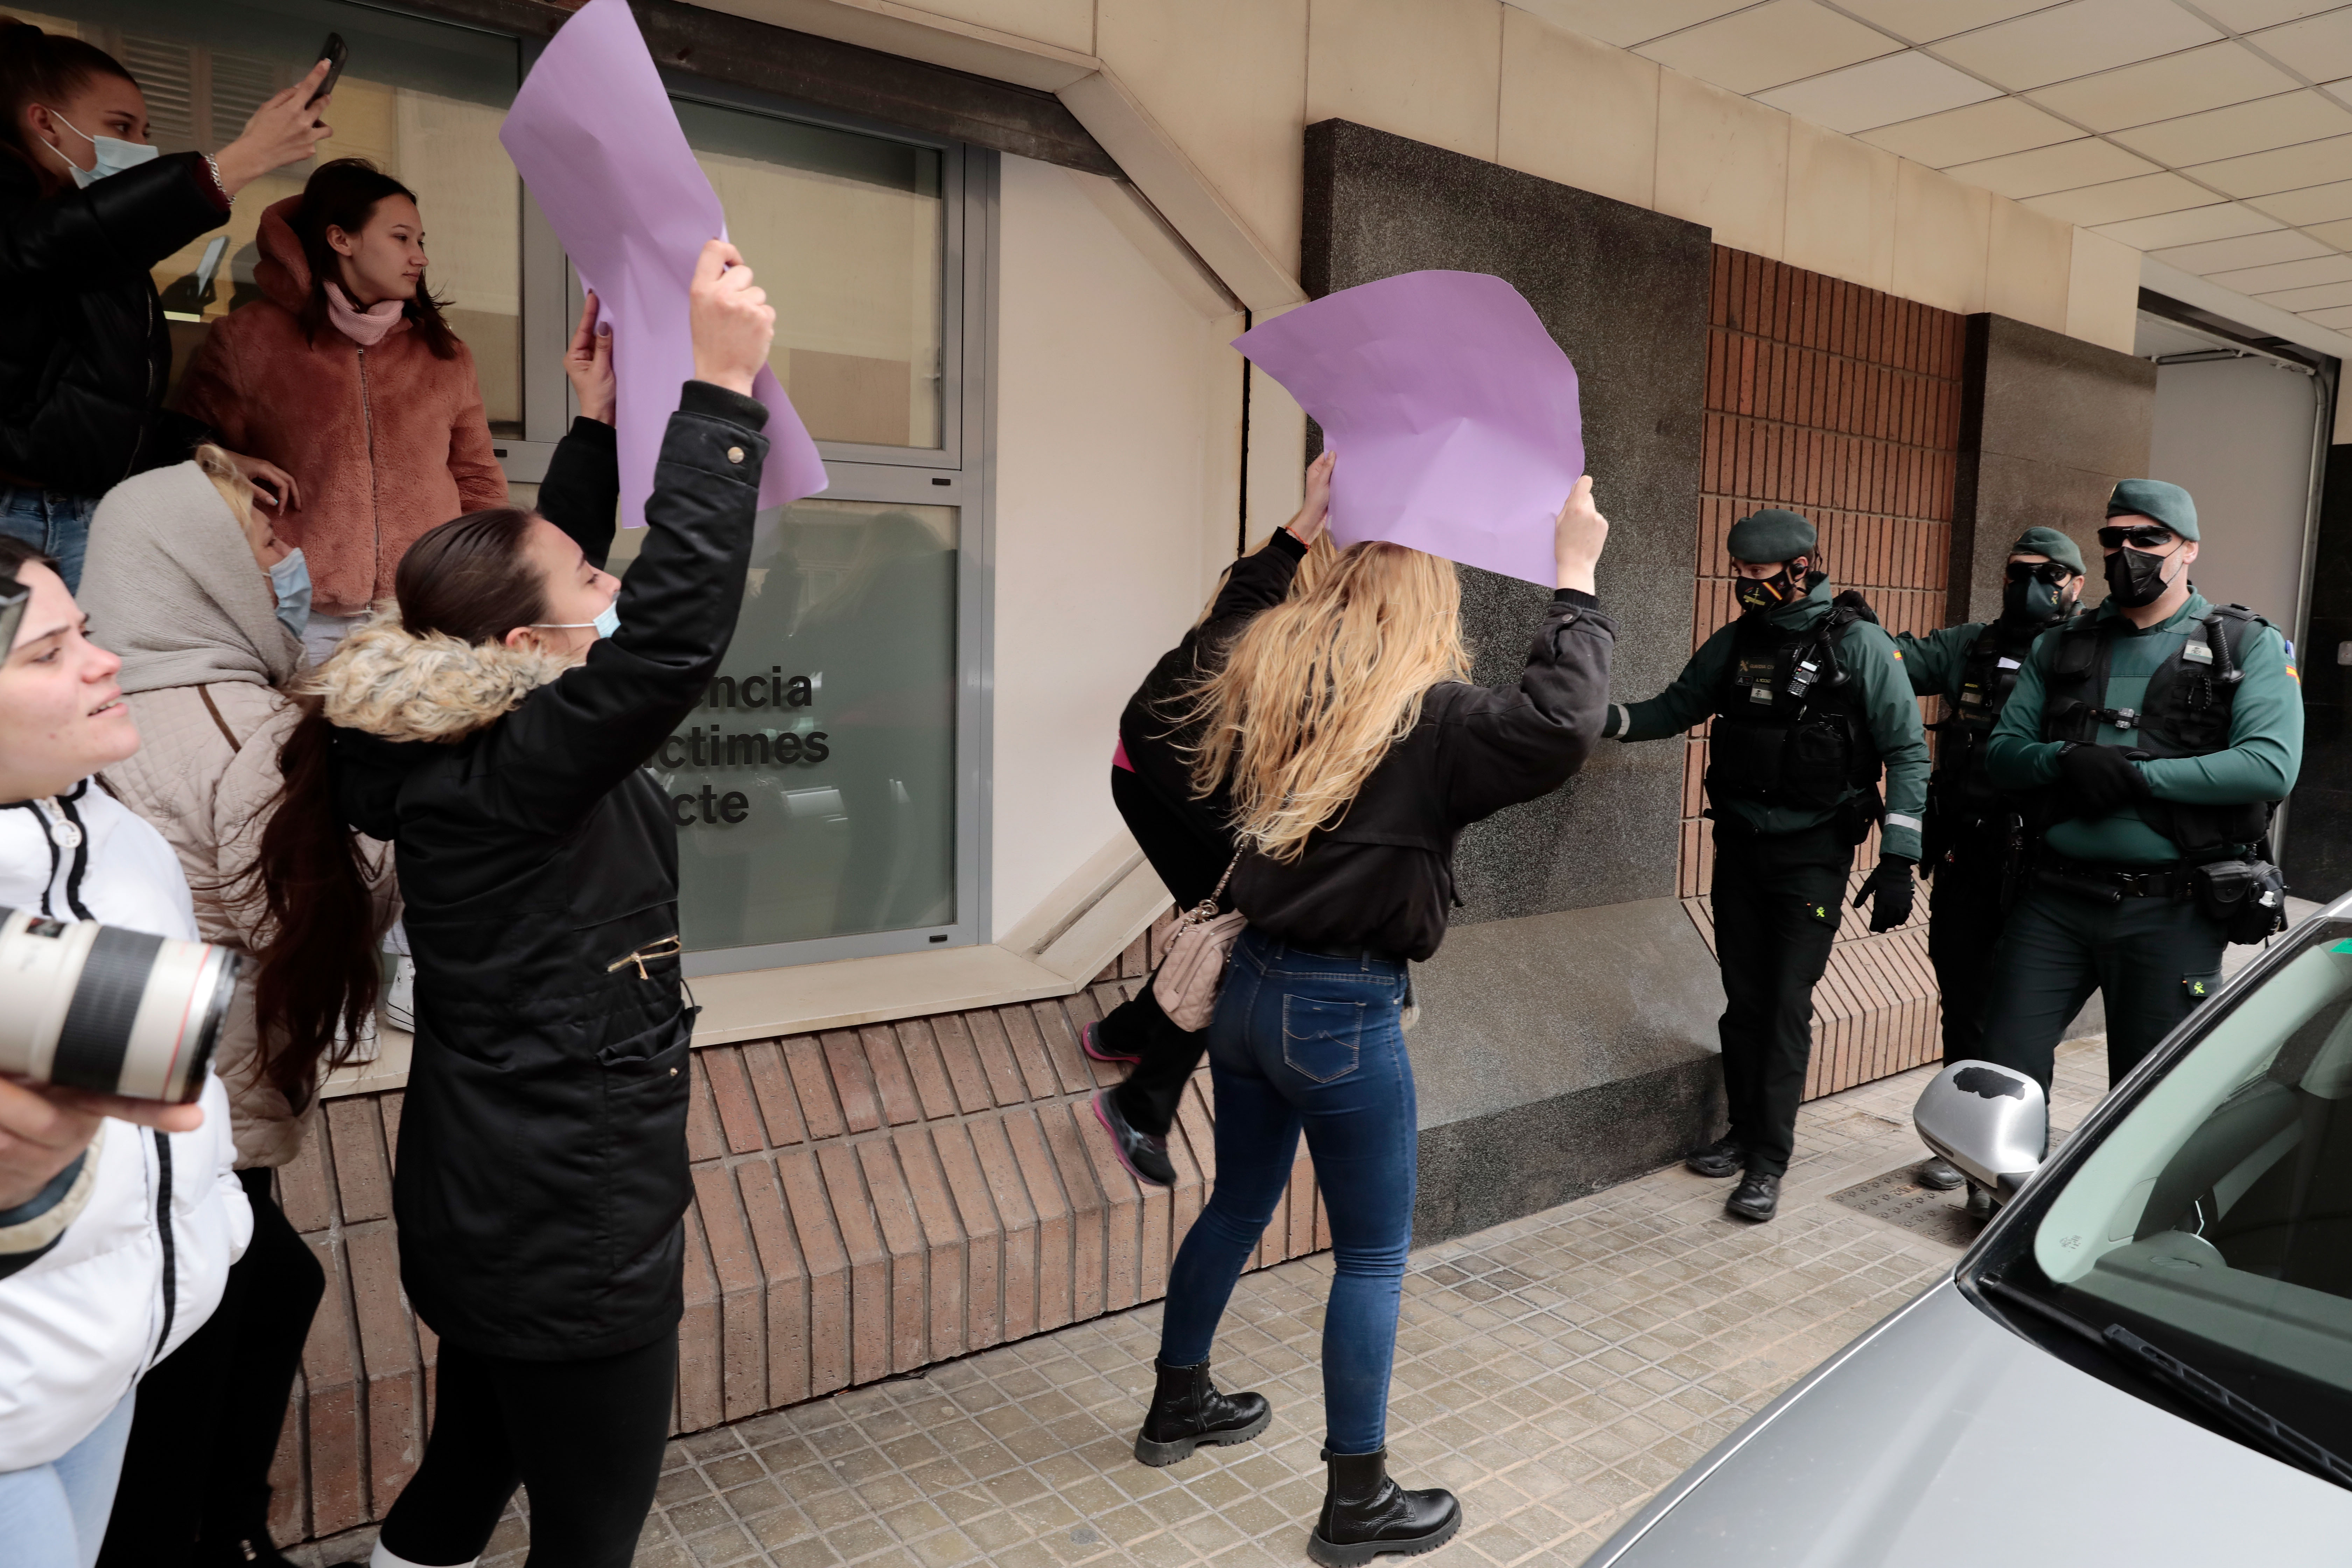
[[1315, 691]]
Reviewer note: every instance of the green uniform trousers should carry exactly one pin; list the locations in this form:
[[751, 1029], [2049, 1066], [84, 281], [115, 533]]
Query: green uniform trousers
[[1777, 901], [2150, 959], [1964, 921]]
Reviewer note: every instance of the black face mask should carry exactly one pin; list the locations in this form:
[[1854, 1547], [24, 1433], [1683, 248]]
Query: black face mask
[[2031, 599], [1758, 595], [2135, 578]]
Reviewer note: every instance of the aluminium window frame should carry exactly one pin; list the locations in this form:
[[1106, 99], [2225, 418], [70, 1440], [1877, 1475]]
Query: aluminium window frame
[[958, 473]]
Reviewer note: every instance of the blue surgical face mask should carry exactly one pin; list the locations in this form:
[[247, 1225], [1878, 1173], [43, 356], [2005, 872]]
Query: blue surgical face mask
[[111, 154], [607, 621], [291, 578]]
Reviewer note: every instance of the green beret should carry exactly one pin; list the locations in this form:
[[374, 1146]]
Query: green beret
[[2051, 542], [1770, 535], [2156, 502]]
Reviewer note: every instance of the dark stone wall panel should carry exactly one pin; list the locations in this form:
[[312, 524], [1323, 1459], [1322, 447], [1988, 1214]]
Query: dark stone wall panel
[[2319, 825], [2048, 425], [1494, 1168], [1624, 291]]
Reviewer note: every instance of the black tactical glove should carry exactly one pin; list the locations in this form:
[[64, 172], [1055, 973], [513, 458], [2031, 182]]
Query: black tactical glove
[[1889, 892], [2100, 779]]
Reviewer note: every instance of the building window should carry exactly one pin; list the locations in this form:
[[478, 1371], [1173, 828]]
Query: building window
[[421, 99], [828, 791]]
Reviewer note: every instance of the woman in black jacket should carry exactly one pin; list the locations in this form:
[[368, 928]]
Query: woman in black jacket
[[1188, 838], [495, 732], [87, 207], [1355, 754]]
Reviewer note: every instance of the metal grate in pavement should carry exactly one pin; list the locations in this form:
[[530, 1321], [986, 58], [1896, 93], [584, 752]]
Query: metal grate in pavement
[[1898, 1198]]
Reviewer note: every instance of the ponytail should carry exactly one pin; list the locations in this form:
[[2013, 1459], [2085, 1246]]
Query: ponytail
[[319, 965]]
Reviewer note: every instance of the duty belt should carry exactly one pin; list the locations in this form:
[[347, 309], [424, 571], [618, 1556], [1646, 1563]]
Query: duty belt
[[2112, 884]]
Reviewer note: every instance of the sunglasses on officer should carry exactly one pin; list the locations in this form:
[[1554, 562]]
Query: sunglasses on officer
[[2140, 536], [2051, 572]]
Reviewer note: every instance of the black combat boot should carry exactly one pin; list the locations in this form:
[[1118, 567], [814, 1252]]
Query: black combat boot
[[1366, 1514], [1187, 1410], [1757, 1196]]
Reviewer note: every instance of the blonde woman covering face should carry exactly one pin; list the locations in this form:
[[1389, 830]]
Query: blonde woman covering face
[[1354, 751]]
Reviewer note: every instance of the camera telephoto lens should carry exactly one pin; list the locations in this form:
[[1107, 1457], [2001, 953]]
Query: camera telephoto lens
[[93, 1007]]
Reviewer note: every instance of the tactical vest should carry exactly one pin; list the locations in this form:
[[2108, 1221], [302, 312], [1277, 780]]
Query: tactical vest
[[1789, 728], [2187, 714], [1961, 788]]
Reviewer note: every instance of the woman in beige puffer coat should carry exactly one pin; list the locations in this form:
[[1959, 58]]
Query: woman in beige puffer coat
[[178, 583]]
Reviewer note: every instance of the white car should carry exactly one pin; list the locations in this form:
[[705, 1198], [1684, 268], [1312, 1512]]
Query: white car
[[2145, 1360]]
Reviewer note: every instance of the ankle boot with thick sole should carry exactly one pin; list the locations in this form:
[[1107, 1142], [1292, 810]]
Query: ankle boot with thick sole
[[1366, 1514], [1187, 1410]]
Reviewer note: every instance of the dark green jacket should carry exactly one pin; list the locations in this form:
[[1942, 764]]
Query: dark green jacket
[[2265, 748], [1870, 655], [1935, 662]]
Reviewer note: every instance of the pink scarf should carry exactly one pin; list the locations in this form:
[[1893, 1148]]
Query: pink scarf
[[366, 328]]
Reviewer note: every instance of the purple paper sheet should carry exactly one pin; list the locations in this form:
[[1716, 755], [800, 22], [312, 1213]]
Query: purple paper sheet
[[595, 139], [1453, 414]]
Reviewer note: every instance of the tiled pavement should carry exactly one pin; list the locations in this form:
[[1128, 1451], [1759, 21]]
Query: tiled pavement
[[1555, 1370]]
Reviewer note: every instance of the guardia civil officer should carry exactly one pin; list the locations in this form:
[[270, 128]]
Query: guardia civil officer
[[1808, 700], [2161, 731], [1973, 840]]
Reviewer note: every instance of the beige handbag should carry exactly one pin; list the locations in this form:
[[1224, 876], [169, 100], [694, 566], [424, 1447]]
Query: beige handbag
[[1190, 976]]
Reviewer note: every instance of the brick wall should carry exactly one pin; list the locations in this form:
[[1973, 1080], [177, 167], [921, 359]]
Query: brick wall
[[867, 1202], [1842, 404]]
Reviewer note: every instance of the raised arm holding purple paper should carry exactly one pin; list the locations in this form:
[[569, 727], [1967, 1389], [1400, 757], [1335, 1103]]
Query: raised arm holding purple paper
[[599, 149]]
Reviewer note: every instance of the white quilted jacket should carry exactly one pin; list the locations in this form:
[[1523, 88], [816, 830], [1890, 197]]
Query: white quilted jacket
[[82, 1322]]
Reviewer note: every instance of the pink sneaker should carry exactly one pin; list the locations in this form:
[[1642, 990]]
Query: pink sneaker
[[1091, 1042]]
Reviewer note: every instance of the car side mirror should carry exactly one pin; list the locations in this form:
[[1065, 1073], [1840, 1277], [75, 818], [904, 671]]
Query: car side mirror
[[1988, 1120]]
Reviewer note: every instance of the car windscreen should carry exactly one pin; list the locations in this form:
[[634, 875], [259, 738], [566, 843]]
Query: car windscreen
[[2209, 1228]]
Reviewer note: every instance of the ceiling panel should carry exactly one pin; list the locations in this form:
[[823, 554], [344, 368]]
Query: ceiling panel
[[2313, 204], [2241, 127], [2184, 83], [2319, 47], [2338, 234], [1628, 21], [2084, 161], [1964, 135], [1924, 21], [2076, 39], [1779, 42], [2339, 320], [2143, 197], [2223, 220], [2286, 169], [2287, 275], [2248, 250], [2245, 15], [2319, 298], [1876, 93]]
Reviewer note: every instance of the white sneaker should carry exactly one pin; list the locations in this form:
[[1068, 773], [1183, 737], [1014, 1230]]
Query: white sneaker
[[400, 996]]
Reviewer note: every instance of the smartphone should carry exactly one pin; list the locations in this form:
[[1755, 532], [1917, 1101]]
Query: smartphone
[[335, 51], [13, 598]]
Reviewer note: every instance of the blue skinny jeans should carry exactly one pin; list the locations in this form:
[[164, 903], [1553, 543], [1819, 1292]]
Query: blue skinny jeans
[[54, 524], [1304, 1041]]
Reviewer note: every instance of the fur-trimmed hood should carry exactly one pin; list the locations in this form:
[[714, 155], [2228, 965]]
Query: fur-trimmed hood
[[385, 682]]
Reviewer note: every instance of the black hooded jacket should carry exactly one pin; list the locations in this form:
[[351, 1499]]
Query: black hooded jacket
[[84, 354], [1382, 879], [542, 1170], [1151, 730]]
